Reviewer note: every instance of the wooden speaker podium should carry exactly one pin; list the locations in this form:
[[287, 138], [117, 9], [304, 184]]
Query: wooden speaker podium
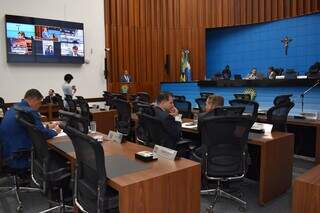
[[133, 88]]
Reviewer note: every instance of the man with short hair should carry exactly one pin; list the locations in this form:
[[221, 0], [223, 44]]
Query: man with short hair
[[166, 112], [51, 98], [14, 136]]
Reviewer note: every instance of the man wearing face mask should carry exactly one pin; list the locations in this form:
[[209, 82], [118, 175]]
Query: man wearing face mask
[[14, 136]]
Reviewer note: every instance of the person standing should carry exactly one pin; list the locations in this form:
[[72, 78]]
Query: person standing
[[66, 87], [125, 78]]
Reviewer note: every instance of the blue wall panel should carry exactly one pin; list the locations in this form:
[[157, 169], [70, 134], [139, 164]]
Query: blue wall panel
[[260, 46], [265, 95]]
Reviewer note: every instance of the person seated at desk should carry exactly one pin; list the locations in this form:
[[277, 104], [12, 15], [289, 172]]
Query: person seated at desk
[[166, 112], [51, 98], [14, 136], [213, 101], [226, 73], [254, 75], [126, 78], [272, 73]]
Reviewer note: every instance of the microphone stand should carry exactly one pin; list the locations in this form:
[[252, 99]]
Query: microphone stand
[[307, 91]]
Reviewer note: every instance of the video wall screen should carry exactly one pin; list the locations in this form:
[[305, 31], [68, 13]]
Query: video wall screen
[[43, 40]]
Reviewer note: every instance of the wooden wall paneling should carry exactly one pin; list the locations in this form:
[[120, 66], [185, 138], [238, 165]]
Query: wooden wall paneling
[[281, 9], [287, 8], [301, 7], [294, 7], [274, 9], [219, 12], [268, 10], [249, 11], [141, 33], [255, 11], [243, 12], [237, 13], [262, 10], [225, 13]]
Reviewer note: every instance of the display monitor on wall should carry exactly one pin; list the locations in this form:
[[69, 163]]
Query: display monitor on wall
[[43, 40]]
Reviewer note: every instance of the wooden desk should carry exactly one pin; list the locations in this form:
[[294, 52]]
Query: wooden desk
[[306, 192], [104, 120], [276, 161], [167, 186], [304, 122], [49, 110]]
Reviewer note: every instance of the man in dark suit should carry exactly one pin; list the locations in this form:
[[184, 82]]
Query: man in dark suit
[[125, 78], [166, 112], [51, 98]]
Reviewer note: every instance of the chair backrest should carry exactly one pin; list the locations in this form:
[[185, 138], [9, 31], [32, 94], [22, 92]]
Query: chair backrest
[[277, 115], [205, 94], [201, 104], [108, 98], [84, 107], [157, 133], [75, 120], [124, 115], [179, 97], [143, 96], [90, 169], [141, 131], [2, 105], [281, 100], [40, 151], [242, 96], [143, 107], [184, 108], [228, 111], [72, 105], [59, 101], [225, 140], [251, 107]]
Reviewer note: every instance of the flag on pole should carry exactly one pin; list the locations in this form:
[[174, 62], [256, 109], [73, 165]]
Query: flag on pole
[[185, 67]]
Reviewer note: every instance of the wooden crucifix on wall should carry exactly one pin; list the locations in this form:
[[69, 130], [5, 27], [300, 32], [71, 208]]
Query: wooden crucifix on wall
[[286, 42]]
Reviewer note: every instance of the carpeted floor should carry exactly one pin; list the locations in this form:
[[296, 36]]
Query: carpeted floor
[[35, 202]]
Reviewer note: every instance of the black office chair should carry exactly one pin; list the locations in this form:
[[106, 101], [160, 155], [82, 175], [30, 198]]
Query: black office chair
[[179, 97], [124, 124], [49, 170], [143, 97], [184, 108], [228, 111], [205, 94], [277, 115], [251, 107], [242, 96], [60, 101], [75, 120], [91, 191], [201, 104], [84, 108], [159, 136], [71, 104], [282, 99], [108, 98], [136, 105], [6, 171], [225, 159]]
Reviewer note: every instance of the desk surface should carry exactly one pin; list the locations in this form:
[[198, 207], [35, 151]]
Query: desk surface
[[165, 186], [306, 192], [254, 138], [128, 149]]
